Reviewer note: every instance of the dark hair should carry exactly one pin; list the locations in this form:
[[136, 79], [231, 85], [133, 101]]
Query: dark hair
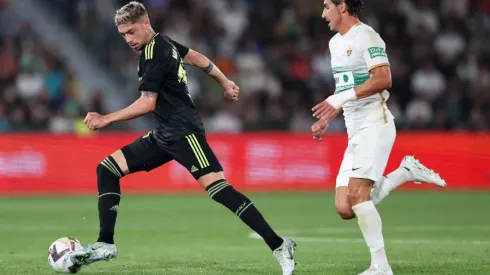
[[354, 7]]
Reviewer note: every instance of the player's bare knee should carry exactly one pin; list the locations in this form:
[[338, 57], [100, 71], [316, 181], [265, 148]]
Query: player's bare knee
[[111, 165], [120, 159], [358, 196], [342, 204], [359, 191], [210, 178]]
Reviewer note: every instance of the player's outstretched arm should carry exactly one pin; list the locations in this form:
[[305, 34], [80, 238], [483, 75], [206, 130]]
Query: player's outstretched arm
[[194, 58], [143, 105]]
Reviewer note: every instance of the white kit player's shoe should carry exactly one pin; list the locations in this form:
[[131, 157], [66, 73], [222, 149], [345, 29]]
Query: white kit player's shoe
[[284, 256], [377, 270], [422, 173]]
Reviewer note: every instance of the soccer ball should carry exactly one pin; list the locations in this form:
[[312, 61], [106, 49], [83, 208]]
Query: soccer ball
[[59, 255]]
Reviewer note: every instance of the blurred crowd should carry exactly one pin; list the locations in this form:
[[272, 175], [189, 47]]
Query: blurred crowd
[[37, 91], [277, 51]]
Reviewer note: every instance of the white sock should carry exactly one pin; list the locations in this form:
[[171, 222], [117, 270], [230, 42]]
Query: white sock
[[370, 223], [383, 187]]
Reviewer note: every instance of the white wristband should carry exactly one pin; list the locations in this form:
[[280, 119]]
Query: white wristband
[[338, 100]]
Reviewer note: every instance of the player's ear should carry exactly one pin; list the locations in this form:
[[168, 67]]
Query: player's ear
[[146, 21], [343, 7]]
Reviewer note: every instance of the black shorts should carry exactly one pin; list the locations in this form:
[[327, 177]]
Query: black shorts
[[192, 152]]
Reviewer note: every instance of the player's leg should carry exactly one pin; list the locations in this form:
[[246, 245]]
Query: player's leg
[[195, 154], [141, 155], [370, 224], [380, 190], [342, 205], [372, 147], [109, 172], [410, 170]]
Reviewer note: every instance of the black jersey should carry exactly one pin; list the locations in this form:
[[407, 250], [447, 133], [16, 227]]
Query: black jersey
[[161, 70]]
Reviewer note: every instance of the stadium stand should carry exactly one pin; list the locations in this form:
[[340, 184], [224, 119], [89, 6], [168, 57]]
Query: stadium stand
[[277, 51]]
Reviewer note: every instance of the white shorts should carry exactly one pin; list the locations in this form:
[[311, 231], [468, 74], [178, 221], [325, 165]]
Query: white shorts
[[367, 153]]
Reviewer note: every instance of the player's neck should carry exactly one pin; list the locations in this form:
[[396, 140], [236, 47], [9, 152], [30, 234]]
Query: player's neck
[[151, 35], [347, 24]]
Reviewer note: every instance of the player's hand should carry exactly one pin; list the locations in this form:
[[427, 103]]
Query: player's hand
[[231, 91], [95, 121], [324, 110], [318, 129]]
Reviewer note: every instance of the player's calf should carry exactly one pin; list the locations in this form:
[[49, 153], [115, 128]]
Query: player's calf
[[222, 192], [369, 219], [283, 249], [108, 175]]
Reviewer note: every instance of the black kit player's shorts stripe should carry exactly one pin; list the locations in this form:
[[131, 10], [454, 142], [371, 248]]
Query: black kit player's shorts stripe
[[149, 50], [196, 148]]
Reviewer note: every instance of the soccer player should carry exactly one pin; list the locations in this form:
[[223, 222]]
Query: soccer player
[[362, 74], [179, 135]]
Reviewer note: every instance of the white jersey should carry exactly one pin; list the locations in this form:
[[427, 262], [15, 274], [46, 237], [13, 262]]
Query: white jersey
[[354, 55]]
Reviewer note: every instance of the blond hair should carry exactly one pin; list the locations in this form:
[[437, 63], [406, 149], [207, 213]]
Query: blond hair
[[130, 13]]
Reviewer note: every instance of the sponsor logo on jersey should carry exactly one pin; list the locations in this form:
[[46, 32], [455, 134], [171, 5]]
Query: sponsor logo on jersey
[[377, 51]]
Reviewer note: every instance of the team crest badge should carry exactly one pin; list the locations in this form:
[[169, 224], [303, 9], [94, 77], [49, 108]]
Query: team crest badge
[[349, 51]]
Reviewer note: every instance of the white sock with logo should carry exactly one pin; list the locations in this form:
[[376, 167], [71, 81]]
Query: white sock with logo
[[382, 188], [370, 224]]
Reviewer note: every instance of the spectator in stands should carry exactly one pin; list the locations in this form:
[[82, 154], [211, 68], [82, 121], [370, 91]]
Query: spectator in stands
[[428, 82], [419, 113], [30, 84], [278, 53]]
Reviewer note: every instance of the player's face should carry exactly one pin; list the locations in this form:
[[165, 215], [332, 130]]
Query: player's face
[[134, 34], [332, 14]]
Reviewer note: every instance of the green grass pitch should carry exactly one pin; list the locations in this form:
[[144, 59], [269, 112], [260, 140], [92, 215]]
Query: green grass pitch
[[425, 233]]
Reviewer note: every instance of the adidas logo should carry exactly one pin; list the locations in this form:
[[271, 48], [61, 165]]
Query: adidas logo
[[114, 208], [193, 169]]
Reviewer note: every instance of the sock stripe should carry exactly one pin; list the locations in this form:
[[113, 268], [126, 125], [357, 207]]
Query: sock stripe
[[216, 185], [110, 193], [243, 210], [114, 164], [217, 188], [109, 165], [110, 168], [217, 191]]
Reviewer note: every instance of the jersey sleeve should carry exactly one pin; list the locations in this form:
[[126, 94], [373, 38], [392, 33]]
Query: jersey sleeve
[[183, 50], [373, 49], [156, 67]]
